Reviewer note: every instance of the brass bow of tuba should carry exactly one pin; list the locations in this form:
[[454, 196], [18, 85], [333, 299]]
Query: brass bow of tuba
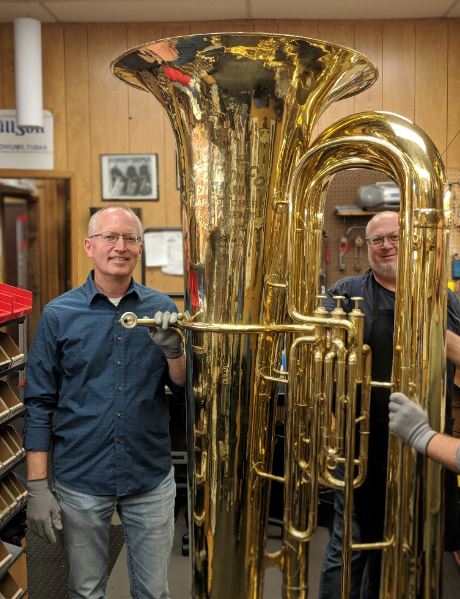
[[243, 107]]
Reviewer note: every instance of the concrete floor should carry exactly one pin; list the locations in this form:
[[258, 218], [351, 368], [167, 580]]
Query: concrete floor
[[179, 572]]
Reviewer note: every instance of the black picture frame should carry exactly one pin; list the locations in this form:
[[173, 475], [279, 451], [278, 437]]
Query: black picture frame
[[129, 177]]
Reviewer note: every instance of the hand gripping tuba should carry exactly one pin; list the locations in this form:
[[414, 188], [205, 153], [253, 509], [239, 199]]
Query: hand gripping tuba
[[243, 107]]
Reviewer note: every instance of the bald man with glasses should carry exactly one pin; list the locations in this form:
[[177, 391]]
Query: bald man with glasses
[[96, 410], [377, 288]]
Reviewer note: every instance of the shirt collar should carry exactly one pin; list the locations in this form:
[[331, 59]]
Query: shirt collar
[[92, 291]]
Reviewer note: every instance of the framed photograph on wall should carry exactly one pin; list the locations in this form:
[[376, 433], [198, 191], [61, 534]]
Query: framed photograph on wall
[[129, 177]]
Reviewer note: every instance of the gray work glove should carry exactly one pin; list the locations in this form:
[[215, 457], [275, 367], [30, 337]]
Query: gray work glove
[[43, 511], [167, 338], [409, 422]]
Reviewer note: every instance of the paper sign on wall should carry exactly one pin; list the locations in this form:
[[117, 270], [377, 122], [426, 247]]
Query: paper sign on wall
[[164, 249]]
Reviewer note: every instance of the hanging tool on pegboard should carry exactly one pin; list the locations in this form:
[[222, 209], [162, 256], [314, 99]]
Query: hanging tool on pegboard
[[325, 261], [358, 243], [344, 247]]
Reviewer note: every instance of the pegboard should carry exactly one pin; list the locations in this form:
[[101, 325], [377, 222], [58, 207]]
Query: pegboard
[[343, 191]]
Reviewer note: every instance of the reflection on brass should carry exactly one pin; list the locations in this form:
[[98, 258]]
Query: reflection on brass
[[253, 186]]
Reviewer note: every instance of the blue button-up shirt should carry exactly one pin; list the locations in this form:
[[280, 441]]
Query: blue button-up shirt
[[95, 393]]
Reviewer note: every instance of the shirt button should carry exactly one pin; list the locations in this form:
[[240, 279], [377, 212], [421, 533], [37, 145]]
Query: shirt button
[[119, 415], [119, 337], [119, 362], [120, 387]]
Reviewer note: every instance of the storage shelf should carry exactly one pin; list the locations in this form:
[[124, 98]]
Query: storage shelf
[[353, 211], [13, 494], [14, 553]]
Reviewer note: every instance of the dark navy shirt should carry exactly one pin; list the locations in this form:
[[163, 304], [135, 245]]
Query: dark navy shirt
[[95, 393]]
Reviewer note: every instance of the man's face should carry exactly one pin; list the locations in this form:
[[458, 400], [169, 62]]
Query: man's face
[[117, 259], [382, 245]]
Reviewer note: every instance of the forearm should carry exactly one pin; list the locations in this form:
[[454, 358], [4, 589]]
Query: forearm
[[446, 450], [177, 370], [453, 348], [37, 465]]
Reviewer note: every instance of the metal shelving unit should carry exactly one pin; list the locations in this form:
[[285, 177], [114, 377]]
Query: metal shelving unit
[[13, 495]]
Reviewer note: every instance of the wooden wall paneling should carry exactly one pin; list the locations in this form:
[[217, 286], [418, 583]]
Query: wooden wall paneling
[[398, 67], [108, 99], [452, 156], [265, 26], [303, 28], [54, 92], [236, 26], [147, 128], [175, 29], [7, 63], [431, 51], [2, 67], [79, 137], [369, 41], [205, 26], [341, 33]]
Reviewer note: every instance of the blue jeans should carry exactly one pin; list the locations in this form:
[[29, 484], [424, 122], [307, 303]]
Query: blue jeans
[[148, 522], [365, 565]]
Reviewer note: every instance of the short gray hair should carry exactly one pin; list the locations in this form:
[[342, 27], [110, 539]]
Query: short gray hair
[[93, 221]]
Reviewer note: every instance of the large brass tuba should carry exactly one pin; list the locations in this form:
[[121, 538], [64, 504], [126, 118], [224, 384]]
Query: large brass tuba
[[243, 107]]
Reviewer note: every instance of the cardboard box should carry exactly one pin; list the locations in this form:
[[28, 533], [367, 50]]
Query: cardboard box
[[10, 348], [9, 398]]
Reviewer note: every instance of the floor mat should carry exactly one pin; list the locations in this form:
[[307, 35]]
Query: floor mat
[[47, 571]]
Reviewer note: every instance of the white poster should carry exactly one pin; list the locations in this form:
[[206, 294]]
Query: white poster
[[26, 147], [164, 249]]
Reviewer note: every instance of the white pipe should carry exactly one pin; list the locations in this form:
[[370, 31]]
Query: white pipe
[[28, 72]]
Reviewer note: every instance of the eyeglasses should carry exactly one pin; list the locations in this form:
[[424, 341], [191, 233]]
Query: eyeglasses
[[379, 240], [112, 238]]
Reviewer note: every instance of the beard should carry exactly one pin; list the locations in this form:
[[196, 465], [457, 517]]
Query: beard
[[387, 271]]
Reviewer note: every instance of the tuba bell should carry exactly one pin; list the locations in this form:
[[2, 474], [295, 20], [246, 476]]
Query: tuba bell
[[243, 107]]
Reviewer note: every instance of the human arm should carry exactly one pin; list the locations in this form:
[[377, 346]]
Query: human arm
[[445, 450], [409, 422], [43, 512], [453, 348], [169, 340]]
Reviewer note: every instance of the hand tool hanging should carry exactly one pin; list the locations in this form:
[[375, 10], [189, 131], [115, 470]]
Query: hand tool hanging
[[344, 247], [325, 261], [358, 243]]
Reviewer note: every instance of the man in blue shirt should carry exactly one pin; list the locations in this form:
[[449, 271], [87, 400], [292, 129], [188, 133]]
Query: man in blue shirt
[[96, 409]]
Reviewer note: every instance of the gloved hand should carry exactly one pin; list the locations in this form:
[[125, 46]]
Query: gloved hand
[[409, 422], [167, 338], [43, 511]]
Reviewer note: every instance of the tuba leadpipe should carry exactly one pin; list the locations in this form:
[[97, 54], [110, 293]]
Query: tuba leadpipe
[[253, 186]]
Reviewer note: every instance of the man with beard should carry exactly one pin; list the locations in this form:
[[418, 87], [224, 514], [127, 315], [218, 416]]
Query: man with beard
[[377, 287]]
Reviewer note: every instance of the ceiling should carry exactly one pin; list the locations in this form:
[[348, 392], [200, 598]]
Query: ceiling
[[88, 11]]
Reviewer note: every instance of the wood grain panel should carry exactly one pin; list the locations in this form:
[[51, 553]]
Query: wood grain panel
[[54, 91], [341, 33], [108, 100], [2, 67], [147, 128], [236, 26], [7, 50], [174, 29], [398, 68], [431, 80], [453, 97], [303, 28], [265, 26], [78, 134], [369, 41], [205, 27]]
